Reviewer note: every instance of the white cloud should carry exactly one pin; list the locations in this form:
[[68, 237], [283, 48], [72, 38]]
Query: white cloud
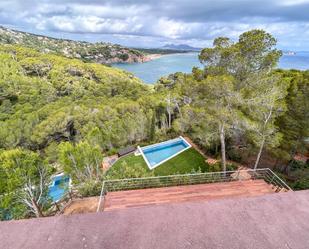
[[195, 22], [293, 2], [118, 12], [170, 28]]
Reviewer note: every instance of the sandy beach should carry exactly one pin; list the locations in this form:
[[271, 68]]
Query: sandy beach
[[151, 57]]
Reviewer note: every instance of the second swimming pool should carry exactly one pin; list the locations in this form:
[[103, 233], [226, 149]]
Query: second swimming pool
[[59, 187]]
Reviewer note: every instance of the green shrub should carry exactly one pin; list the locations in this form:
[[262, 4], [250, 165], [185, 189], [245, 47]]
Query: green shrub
[[90, 188], [234, 155]]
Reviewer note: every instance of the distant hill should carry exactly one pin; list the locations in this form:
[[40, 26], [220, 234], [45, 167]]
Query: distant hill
[[161, 51], [183, 47], [169, 49], [104, 53]]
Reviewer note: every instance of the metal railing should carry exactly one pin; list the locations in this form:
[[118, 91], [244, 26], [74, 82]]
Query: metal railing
[[265, 174]]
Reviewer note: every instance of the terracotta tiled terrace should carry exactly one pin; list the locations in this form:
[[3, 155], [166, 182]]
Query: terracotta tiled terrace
[[188, 193]]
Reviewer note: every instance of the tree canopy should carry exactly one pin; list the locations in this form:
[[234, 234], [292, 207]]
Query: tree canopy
[[25, 178]]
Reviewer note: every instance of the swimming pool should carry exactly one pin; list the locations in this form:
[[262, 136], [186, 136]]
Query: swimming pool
[[59, 187], [156, 154]]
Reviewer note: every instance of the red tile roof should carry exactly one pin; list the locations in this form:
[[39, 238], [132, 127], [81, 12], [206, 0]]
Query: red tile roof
[[269, 221]]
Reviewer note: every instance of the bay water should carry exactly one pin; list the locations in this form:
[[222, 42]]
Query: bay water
[[153, 70]]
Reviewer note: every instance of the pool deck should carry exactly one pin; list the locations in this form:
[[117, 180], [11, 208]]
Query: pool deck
[[188, 193]]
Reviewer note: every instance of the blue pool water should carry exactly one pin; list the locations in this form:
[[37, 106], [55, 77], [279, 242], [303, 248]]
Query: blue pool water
[[156, 154], [59, 187]]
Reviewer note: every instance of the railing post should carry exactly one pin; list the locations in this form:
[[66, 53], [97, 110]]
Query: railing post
[[272, 179], [238, 172], [57, 207], [101, 195], [70, 195]]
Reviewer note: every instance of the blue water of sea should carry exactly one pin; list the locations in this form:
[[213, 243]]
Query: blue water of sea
[[151, 71], [160, 152]]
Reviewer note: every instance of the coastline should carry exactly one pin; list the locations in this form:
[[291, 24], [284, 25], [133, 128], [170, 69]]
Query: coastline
[[150, 57]]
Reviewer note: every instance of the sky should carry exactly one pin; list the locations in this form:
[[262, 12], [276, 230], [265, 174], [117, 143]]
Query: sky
[[146, 23]]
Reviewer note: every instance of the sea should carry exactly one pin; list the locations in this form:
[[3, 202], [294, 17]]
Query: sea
[[153, 70]]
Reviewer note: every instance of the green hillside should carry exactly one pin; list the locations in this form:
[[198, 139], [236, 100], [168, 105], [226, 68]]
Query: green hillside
[[104, 53], [46, 98]]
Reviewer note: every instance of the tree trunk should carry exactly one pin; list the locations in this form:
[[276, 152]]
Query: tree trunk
[[264, 138], [37, 209], [169, 111], [222, 141], [169, 118], [259, 155]]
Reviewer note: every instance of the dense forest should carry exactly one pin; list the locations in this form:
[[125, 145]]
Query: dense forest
[[60, 114]]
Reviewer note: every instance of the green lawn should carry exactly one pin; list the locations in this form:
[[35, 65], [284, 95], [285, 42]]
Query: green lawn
[[189, 161]]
